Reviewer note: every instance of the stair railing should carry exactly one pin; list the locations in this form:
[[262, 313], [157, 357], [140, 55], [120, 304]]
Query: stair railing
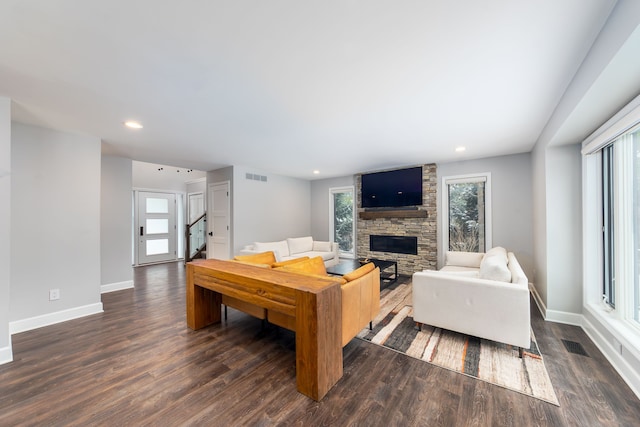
[[196, 238]]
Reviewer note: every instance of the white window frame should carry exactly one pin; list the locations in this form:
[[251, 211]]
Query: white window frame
[[466, 179], [612, 329], [332, 236]]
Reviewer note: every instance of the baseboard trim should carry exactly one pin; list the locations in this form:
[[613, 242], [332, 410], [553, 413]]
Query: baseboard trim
[[118, 286], [6, 355], [564, 317], [536, 298], [36, 322], [622, 367]]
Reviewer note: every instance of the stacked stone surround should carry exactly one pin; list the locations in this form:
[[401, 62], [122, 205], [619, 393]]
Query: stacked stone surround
[[424, 228]]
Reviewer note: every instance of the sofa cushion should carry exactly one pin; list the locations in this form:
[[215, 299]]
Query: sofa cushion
[[281, 248], [461, 271], [321, 246], [313, 265], [267, 258], [463, 259], [300, 244], [494, 266], [359, 272], [288, 262], [324, 255]]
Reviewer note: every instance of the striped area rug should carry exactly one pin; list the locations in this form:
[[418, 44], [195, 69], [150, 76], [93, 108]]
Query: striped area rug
[[485, 360]]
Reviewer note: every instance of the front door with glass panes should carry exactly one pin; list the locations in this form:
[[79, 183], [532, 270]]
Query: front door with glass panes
[[156, 227]]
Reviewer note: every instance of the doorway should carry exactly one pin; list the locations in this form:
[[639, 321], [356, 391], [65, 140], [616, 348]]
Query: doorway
[[218, 236], [156, 227]]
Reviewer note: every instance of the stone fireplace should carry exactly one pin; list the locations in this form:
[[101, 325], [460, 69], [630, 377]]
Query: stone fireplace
[[407, 236]]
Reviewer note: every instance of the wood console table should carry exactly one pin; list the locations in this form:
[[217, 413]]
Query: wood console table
[[314, 304]]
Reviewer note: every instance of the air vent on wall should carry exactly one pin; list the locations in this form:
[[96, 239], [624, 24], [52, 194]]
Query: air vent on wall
[[256, 177]]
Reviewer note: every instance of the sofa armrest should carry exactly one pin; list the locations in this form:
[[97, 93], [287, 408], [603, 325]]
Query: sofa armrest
[[498, 311], [360, 304]]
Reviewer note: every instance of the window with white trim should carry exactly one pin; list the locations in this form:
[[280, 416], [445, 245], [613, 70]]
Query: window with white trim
[[466, 212], [621, 224], [341, 220]]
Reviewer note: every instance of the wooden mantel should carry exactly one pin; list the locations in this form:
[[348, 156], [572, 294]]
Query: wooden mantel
[[397, 213]]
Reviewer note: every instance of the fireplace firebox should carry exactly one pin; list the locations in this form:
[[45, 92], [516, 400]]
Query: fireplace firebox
[[394, 244]]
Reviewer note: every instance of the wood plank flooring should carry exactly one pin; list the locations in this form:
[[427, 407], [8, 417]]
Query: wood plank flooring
[[138, 364]]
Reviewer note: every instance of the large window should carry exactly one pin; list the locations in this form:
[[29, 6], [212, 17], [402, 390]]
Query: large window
[[467, 213], [621, 224], [341, 220]]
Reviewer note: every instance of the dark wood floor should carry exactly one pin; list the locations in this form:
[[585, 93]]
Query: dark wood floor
[[138, 364]]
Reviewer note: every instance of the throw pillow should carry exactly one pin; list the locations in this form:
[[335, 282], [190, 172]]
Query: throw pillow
[[313, 266], [262, 258], [300, 244], [494, 267], [290, 261]]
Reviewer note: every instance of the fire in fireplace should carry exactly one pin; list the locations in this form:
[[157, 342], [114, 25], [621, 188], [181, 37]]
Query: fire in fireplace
[[394, 244]]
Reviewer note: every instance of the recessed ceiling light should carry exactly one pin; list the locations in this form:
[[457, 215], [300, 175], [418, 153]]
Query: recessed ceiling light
[[460, 149], [133, 124], [316, 172]]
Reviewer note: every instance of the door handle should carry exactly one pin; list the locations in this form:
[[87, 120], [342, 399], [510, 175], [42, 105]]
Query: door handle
[[211, 233], [142, 231]]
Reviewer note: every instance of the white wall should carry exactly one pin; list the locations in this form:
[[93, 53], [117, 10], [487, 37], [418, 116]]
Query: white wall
[[564, 229], [511, 204], [6, 354], [539, 277], [320, 204], [55, 225], [267, 211], [116, 224]]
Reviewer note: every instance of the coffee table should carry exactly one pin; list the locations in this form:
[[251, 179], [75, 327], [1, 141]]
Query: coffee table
[[346, 266]]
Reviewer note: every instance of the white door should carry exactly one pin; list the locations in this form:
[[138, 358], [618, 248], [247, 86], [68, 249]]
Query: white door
[[196, 206], [156, 227], [218, 239]]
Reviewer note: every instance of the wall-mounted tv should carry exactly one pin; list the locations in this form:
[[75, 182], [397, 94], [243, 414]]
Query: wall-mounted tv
[[394, 188]]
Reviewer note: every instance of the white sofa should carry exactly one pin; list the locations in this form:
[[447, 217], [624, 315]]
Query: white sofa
[[295, 248], [483, 295]]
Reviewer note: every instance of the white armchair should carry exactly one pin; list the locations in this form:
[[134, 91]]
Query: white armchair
[[458, 298]]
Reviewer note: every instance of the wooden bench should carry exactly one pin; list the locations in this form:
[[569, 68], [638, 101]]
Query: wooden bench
[[314, 302]]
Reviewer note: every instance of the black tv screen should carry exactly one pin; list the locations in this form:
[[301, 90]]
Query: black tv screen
[[395, 188]]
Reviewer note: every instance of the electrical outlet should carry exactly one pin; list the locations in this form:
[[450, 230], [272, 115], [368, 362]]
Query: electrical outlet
[[617, 345], [54, 294]]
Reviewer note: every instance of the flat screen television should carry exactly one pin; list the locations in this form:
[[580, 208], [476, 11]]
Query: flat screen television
[[395, 188]]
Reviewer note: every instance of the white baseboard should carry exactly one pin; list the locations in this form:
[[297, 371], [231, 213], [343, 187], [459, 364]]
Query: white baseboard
[[118, 286], [24, 325], [6, 355], [536, 298], [564, 317], [626, 371], [554, 315]]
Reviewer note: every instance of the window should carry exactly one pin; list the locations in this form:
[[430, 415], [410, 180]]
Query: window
[[341, 220], [621, 224], [467, 214]]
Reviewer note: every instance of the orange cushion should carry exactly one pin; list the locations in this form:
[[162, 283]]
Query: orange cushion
[[288, 262], [310, 266], [262, 258], [359, 272]]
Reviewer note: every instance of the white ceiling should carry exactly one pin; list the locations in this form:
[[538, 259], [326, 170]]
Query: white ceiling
[[292, 86]]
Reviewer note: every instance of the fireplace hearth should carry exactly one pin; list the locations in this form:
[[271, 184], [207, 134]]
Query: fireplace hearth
[[394, 244]]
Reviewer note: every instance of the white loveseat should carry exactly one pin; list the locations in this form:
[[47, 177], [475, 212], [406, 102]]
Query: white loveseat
[[296, 248], [483, 295]]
